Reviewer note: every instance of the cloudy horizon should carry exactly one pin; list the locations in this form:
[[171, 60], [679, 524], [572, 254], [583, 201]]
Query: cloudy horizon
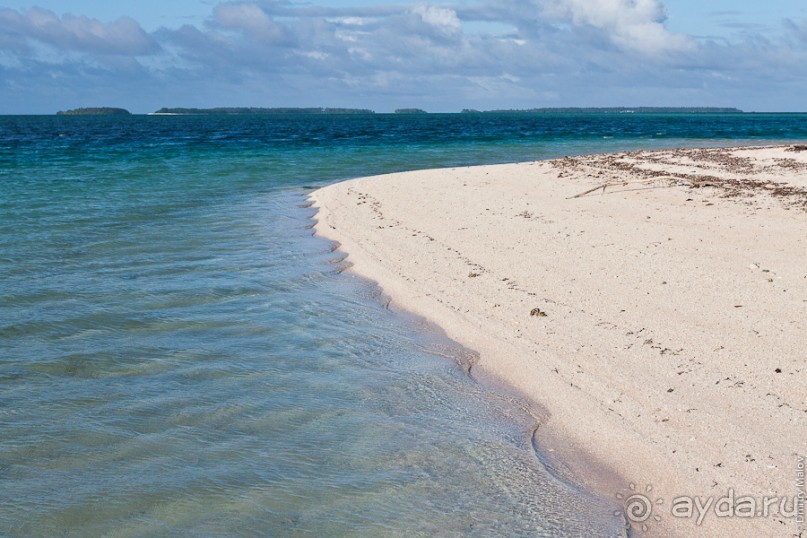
[[439, 56]]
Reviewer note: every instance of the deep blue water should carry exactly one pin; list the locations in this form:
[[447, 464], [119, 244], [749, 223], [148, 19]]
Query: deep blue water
[[180, 356]]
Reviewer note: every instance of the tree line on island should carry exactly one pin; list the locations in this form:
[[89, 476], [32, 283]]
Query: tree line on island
[[565, 110], [259, 110], [95, 111], [612, 110], [180, 111]]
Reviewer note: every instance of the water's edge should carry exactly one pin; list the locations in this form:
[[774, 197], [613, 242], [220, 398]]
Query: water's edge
[[550, 454]]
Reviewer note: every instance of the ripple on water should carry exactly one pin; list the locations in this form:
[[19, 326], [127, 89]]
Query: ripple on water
[[179, 357], [295, 406]]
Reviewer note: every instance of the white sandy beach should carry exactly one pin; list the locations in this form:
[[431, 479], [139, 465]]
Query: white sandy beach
[[660, 322]]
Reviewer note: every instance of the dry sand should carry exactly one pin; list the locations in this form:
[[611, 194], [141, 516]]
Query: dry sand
[[660, 322]]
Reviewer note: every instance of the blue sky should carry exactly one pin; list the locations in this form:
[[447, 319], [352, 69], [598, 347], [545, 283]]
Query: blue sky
[[439, 55]]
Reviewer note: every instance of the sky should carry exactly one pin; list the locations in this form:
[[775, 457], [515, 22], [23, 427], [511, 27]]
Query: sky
[[441, 56]]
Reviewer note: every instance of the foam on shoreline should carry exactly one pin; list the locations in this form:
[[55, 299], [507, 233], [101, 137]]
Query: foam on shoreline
[[653, 303]]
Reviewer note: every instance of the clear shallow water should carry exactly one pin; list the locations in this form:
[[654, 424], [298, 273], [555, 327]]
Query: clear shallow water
[[179, 356]]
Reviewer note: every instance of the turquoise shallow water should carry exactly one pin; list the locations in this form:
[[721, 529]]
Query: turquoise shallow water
[[180, 356]]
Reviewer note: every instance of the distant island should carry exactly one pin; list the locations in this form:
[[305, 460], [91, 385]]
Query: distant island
[[233, 111], [95, 111], [259, 111], [615, 110]]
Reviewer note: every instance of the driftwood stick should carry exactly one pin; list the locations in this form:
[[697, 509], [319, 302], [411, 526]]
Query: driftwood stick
[[624, 183], [598, 187]]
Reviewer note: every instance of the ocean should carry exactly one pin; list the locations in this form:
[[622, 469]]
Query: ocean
[[181, 356]]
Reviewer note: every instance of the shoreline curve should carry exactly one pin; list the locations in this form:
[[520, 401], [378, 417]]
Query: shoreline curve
[[654, 303]]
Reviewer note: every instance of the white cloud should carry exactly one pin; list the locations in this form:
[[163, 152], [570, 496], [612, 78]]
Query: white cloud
[[442, 18], [121, 37], [250, 19], [351, 21], [632, 24]]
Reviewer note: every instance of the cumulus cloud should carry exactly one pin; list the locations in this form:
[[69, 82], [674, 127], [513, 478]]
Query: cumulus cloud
[[250, 19], [632, 24], [77, 33], [444, 19]]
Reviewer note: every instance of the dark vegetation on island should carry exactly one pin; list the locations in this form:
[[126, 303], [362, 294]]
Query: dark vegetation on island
[[259, 111], [94, 111], [612, 110], [224, 111], [555, 110]]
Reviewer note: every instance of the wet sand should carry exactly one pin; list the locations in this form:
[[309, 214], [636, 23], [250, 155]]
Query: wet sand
[[654, 304]]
